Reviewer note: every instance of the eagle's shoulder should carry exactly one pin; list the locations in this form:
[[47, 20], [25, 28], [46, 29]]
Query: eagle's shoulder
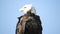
[[18, 20], [20, 17], [37, 17]]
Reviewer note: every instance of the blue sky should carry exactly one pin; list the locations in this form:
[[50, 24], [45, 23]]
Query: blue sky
[[48, 10]]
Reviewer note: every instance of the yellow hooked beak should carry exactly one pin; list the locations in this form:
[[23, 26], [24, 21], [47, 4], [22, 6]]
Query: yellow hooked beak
[[21, 10]]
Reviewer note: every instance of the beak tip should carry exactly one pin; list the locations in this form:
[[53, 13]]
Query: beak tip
[[19, 10]]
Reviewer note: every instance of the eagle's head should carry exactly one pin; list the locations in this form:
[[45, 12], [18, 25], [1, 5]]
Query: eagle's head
[[28, 8]]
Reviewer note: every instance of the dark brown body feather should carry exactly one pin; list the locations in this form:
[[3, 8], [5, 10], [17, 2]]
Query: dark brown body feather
[[29, 24]]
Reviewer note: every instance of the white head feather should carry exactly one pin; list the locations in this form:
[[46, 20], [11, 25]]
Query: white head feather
[[27, 8]]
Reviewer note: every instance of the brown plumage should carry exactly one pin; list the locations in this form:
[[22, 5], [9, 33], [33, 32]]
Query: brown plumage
[[29, 24]]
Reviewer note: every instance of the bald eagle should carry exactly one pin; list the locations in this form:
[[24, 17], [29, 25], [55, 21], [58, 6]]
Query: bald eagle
[[29, 23]]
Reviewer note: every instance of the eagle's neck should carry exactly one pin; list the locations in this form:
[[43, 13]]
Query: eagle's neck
[[29, 13]]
